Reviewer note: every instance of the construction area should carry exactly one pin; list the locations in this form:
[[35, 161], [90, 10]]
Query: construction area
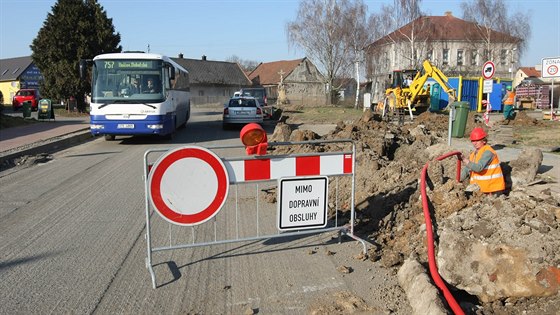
[[497, 254]]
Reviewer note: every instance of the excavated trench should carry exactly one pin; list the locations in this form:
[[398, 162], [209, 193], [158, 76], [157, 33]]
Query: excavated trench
[[486, 246]]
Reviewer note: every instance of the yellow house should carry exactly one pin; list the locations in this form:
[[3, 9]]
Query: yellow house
[[18, 73]]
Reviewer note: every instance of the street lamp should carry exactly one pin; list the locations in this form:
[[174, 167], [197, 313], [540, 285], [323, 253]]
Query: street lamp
[[512, 61]]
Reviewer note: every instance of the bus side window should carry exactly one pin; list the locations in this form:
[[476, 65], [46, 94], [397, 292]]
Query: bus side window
[[166, 80], [173, 81]]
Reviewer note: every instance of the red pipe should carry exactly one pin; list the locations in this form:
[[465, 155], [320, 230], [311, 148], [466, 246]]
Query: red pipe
[[430, 235]]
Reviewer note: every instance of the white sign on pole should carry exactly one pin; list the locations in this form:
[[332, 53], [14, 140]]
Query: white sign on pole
[[550, 67], [302, 203], [487, 86]]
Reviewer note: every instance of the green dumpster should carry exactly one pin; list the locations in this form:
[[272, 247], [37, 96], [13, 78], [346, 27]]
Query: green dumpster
[[26, 109], [45, 110], [460, 121]]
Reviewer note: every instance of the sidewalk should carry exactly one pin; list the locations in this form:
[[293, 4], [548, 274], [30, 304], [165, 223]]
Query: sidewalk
[[42, 137]]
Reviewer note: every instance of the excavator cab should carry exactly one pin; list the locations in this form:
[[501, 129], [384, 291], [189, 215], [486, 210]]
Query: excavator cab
[[403, 78]]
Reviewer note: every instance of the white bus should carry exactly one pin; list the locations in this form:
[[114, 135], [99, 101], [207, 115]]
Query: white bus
[[137, 94]]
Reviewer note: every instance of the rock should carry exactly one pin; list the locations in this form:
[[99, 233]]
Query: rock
[[423, 297], [281, 133], [391, 259], [303, 135], [419, 130], [344, 269], [367, 116], [525, 168], [491, 271]]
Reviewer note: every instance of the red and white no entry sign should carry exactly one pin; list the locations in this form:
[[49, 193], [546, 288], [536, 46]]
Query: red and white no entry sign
[[488, 70], [188, 185]]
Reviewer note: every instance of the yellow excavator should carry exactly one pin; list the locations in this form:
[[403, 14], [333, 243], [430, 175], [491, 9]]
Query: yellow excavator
[[407, 91]]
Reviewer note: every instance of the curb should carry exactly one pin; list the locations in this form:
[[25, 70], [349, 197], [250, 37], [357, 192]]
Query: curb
[[45, 146]]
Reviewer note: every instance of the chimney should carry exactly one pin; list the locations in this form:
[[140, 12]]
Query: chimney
[[181, 55], [204, 57], [448, 13]]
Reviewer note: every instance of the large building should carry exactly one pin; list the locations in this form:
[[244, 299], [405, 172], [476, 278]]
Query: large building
[[18, 73], [455, 46]]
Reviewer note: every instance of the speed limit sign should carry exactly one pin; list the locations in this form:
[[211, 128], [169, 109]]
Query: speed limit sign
[[550, 67]]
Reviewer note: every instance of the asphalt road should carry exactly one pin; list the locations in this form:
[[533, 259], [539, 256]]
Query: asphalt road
[[73, 231]]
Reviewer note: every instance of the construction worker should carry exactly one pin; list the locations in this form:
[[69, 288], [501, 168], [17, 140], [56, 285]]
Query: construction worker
[[483, 166], [508, 101]]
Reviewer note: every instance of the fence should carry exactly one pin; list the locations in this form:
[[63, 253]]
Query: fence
[[325, 177]]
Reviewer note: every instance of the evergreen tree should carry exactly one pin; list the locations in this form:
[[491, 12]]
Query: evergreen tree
[[74, 30]]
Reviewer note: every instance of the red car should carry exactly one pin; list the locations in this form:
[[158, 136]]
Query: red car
[[26, 95]]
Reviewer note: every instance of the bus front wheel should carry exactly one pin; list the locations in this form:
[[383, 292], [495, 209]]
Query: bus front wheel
[[109, 137]]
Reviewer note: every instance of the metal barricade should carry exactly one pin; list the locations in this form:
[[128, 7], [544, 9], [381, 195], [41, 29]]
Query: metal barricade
[[248, 176]]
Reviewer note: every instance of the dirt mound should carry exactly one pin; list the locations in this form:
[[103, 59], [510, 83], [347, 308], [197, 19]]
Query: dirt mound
[[522, 119], [389, 161]]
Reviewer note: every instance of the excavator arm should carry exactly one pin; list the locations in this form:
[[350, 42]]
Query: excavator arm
[[415, 94], [440, 78], [417, 85]]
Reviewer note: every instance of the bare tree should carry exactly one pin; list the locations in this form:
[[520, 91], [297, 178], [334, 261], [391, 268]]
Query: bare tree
[[321, 29], [380, 24], [496, 25], [246, 65], [357, 37], [403, 23]]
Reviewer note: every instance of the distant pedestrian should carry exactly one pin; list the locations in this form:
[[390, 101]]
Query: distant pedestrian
[[508, 101], [482, 165]]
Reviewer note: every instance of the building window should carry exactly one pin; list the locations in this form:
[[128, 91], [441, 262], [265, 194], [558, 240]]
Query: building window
[[460, 57], [445, 56], [474, 56], [200, 92], [503, 56]]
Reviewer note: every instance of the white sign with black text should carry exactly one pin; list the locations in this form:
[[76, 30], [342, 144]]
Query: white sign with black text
[[487, 86], [302, 203]]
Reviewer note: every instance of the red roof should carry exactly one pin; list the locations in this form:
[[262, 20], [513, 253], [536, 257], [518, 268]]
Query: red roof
[[531, 72], [445, 27], [269, 73]]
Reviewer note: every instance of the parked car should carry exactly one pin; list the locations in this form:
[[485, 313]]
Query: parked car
[[242, 110], [258, 93], [26, 95]]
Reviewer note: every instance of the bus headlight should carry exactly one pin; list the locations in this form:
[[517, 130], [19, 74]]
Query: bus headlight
[[96, 127], [157, 126]]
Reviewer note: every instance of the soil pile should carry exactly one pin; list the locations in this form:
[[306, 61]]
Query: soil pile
[[499, 254]]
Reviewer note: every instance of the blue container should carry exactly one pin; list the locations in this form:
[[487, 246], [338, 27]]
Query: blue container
[[496, 97], [469, 93]]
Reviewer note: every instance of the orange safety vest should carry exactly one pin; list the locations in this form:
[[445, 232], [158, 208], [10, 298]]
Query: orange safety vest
[[510, 98], [491, 178]]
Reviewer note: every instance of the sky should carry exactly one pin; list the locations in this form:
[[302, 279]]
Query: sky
[[252, 30]]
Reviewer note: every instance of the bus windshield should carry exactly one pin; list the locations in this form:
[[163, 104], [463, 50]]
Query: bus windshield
[[127, 81]]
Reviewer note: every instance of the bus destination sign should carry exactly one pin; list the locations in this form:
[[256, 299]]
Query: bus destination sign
[[109, 64]]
